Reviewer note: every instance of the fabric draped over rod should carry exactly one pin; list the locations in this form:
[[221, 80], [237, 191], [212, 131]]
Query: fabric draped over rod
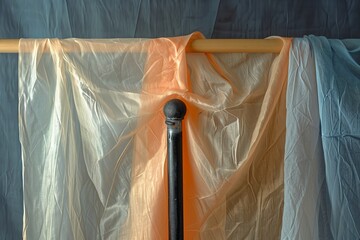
[[255, 167], [322, 151]]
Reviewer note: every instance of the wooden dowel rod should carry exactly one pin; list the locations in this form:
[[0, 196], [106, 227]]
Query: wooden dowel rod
[[237, 45], [9, 45], [273, 45]]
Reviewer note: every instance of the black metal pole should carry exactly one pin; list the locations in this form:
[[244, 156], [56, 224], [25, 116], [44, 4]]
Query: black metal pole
[[175, 111]]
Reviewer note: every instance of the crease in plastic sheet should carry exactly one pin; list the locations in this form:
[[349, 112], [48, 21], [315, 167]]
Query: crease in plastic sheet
[[94, 140]]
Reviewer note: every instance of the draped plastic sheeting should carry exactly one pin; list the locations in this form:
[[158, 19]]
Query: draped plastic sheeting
[[338, 79], [305, 213], [94, 140], [322, 164]]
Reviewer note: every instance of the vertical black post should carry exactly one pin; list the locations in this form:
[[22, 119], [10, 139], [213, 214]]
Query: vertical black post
[[175, 111]]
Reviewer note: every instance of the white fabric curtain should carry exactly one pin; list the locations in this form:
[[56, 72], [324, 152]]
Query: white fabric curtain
[[304, 173]]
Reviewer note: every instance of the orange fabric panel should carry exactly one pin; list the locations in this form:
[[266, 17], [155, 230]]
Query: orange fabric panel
[[252, 195]]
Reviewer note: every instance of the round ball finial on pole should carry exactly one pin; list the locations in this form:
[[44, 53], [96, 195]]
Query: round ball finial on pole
[[175, 109]]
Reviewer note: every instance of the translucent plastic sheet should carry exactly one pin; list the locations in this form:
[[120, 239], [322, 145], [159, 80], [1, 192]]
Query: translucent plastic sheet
[[305, 191], [322, 166], [94, 140]]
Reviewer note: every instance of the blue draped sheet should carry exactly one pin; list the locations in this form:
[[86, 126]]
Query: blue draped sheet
[[338, 79], [322, 154]]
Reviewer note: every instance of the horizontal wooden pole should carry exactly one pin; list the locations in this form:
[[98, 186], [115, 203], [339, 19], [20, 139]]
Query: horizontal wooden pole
[[273, 45], [9, 45]]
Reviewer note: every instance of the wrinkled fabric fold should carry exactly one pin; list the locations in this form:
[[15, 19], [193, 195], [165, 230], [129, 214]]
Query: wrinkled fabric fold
[[94, 140], [321, 190], [306, 202]]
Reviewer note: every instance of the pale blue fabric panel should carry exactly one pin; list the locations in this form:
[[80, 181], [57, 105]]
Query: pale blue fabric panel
[[338, 82], [306, 202]]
